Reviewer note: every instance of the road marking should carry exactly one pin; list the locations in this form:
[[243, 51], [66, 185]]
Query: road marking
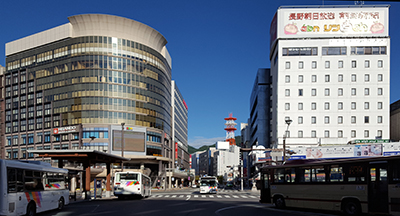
[[227, 197], [219, 196], [180, 196], [211, 196], [173, 196], [203, 196], [235, 196], [188, 197], [252, 197], [195, 196], [166, 195], [244, 196]]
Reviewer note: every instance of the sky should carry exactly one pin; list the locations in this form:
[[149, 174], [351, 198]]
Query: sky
[[216, 46]]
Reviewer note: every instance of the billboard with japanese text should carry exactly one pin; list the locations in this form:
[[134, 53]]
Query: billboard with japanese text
[[332, 22]]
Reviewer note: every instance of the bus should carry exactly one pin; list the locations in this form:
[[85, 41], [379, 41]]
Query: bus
[[208, 184], [30, 187], [131, 184], [357, 185]]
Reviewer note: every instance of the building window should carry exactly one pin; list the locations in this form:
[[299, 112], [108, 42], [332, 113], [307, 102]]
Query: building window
[[380, 119], [313, 92], [366, 119], [300, 92], [301, 65], [340, 133], [366, 64], [340, 92], [314, 78], [326, 119], [313, 120], [379, 134], [287, 106], [380, 77], [327, 92], [366, 91], [353, 105], [380, 64], [300, 78], [353, 64], [340, 64], [313, 106], [366, 105], [327, 78], [340, 119], [380, 91], [314, 64], [334, 50], [366, 78], [353, 120], [340, 78], [353, 134], [353, 78], [287, 79], [327, 106], [353, 92], [287, 65], [300, 134], [327, 64], [299, 51], [326, 133], [300, 106], [287, 92], [380, 105], [300, 120], [368, 50], [313, 133], [366, 133]]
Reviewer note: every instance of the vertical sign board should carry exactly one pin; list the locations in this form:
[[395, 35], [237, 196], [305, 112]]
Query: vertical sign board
[[176, 150]]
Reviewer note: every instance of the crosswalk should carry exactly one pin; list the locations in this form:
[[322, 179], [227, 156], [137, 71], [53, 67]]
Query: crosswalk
[[200, 196]]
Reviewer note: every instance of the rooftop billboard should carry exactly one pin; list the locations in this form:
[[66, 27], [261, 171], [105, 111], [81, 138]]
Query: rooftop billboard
[[303, 22]]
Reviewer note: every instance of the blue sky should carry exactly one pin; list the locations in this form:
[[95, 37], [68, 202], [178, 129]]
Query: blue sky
[[216, 46]]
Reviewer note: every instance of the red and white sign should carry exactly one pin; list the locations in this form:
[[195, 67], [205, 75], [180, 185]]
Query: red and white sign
[[176, 150], [63, 130]]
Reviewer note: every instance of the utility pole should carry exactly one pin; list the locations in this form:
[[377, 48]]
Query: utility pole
[[122, 146], [288, 121]]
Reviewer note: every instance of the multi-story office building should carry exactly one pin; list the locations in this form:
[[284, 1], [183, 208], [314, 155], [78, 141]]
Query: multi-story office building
[[180, 127], [395, 121], [330, 70], [82, 84], [2, 71], [260, 109]]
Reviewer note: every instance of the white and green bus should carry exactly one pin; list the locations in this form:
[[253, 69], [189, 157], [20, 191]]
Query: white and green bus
[[30, 187]]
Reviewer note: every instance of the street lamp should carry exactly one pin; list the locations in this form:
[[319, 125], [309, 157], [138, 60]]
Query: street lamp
[[122, 146], [288, 121], [91, 139]]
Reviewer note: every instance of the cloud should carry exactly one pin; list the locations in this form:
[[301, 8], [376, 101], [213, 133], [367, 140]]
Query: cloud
[[198, 142]]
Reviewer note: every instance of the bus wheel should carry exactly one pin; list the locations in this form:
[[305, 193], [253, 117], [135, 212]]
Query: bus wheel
[[280, 202], [351, 207], [61, 203], [31, 209]]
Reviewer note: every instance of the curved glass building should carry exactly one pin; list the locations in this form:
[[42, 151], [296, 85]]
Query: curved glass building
[[85, 85]]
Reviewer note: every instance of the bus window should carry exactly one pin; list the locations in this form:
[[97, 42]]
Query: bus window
[[395, 171], [290, 175], [266, 184], [318, 174], [304, 174], [11, 180], [279, 175], [336, 174]]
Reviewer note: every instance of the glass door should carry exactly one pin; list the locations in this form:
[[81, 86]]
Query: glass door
[[378, 188]]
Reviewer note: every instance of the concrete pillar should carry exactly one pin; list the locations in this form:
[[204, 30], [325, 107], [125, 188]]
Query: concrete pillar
[[108, 181]]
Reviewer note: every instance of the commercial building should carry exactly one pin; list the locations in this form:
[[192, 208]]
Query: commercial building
[[99, 82], [395, 121], [330, 69]]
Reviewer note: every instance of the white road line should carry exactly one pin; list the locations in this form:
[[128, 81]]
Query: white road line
[[173, 196], [188, 197], [166, 195], [252, 197], [227, 196], [235, 196], [219, 196], [180, 196], [195, 196], [211, 196], [244, 196], [203, 196]]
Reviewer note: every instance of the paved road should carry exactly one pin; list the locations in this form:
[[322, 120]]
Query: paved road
[[188, 202]]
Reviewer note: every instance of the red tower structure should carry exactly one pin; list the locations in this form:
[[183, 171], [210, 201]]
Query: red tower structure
[[230, 129]]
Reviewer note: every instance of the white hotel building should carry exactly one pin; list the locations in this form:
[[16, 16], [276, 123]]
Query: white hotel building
[[330, 69]]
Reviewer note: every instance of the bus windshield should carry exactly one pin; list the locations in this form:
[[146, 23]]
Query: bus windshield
[[129, 176], [208, 183]]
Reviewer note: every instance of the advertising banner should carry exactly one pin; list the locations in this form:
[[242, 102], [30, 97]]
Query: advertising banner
[[333, 22]]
